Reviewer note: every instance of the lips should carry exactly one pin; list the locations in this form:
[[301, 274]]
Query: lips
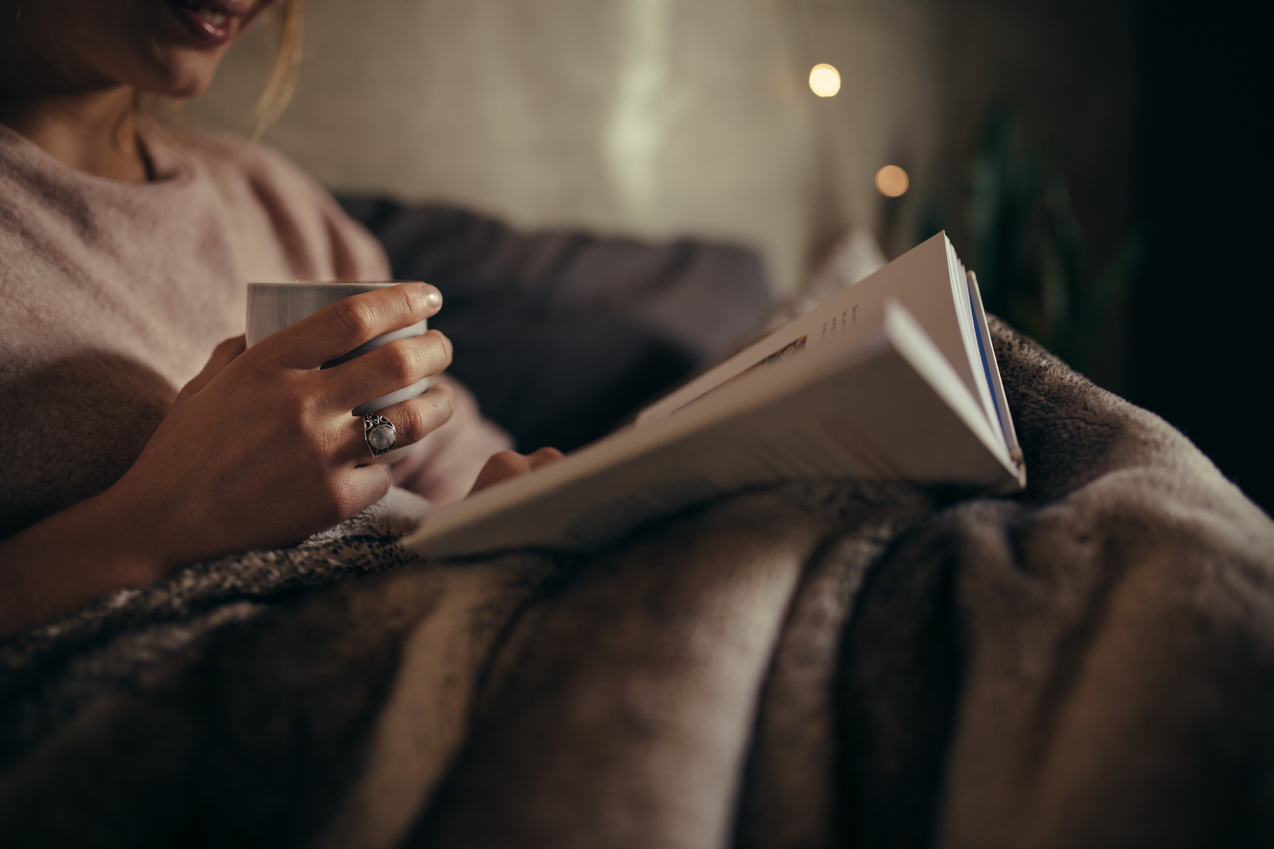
[[211, 22]]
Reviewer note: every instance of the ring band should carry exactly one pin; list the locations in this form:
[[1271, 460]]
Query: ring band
[[379, 433]]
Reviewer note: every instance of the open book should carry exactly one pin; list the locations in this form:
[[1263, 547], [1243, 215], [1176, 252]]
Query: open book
[[893, 378]]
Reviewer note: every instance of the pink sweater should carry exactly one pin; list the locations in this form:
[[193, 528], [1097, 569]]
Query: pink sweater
[[113, 295]]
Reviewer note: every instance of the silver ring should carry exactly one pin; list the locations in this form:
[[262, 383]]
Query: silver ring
[[379, 433]]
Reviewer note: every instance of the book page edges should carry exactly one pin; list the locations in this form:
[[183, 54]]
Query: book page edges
[[912, 342], [997, 383]]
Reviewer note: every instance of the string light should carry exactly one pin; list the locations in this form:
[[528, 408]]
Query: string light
[[824, 80], [892, 181]]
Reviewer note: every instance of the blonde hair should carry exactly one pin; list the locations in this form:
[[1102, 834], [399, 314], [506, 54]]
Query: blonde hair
[[286, 20]]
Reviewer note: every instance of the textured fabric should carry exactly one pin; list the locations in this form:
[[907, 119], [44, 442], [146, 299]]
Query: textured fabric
[[1087, 663], [113, 295]]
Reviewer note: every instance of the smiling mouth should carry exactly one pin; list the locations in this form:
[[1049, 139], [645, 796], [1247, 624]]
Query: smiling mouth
[[212, 15], [214, 23]]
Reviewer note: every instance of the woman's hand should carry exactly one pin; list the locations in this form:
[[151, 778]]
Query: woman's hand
[[510, 464], [260, 449]]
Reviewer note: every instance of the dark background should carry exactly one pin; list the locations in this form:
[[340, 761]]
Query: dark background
[[1200, 343], [1156, 117]]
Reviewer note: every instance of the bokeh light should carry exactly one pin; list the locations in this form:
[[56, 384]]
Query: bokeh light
[[892, 181], [824, 80]]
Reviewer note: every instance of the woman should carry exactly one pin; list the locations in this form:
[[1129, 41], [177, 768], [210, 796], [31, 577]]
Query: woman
[[124, 250]]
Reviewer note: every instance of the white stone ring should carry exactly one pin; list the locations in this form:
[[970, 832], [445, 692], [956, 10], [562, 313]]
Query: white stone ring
[[379, 433]]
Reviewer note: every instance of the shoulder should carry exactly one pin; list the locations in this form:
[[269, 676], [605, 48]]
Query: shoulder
[[224, 155], [293, 199]]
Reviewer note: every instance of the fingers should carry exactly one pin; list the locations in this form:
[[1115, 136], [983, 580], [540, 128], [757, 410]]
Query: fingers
[[510, 464], [502, 466], [544, 457], [349, 323], [354, 334], [386, 369], [367, 485], [412, 420], [221, 357]]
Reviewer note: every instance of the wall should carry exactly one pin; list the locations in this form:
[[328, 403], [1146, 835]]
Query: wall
[[643, 116], [661, 117]]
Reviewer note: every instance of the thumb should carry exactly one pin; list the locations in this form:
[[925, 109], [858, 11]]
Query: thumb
[[221, 357]]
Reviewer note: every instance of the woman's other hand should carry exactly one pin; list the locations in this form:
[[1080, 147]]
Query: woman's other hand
[[510, 464], [445, 464]]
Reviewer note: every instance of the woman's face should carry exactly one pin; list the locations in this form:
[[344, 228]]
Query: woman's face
[[168, 47]]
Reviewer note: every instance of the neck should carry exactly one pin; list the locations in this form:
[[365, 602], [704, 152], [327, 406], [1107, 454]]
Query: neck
[[89, 127], [93, 132]]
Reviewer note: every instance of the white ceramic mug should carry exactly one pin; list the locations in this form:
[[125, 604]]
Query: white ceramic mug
[[274, 306]]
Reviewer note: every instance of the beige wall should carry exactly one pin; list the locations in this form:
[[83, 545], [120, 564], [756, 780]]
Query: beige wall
[[660, 117]]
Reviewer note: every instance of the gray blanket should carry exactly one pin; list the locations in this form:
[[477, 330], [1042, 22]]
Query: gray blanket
[[1088, 663]]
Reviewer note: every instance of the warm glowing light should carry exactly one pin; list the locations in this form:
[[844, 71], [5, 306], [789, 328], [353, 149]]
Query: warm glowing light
[[892, 181], [824, 80]]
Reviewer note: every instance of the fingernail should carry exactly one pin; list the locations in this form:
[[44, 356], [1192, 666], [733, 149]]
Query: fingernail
[[433, 298]]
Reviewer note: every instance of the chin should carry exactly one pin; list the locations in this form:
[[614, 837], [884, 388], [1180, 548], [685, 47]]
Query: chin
[[182, 80], [192, 90]]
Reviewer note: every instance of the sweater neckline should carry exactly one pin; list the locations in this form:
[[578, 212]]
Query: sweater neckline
[[167, 165]]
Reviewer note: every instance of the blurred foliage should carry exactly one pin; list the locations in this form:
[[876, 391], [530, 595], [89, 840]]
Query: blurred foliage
[[1028, 253]]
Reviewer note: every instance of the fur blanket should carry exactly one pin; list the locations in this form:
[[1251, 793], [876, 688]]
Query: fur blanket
[[1088, 663]]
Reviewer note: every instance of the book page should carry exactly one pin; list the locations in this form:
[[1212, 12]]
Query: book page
[[921, 279], [894, 409]]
